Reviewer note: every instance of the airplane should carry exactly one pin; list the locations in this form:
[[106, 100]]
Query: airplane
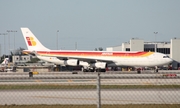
[[94, 60], [4, 64]]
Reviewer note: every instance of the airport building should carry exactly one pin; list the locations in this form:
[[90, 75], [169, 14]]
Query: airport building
[[171, 48]]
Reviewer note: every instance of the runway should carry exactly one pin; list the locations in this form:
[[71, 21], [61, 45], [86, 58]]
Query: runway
[[64, 78], [89, 96], [112, 96], [106, 75]]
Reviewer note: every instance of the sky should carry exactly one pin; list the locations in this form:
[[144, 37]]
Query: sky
[[88, 24]]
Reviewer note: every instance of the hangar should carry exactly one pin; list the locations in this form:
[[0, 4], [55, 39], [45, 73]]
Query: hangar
[[171, 48]]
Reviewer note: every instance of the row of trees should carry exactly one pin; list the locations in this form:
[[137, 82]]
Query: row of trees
[[98, 49]]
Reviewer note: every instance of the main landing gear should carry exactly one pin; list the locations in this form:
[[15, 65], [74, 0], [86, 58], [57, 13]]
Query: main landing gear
[[84, 69], [139, 71], [156, 69]]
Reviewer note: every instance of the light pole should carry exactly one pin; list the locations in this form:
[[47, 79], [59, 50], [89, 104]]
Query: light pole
[[155, 41], [8, 39], [14, 37], [57, 39], [4, 43]]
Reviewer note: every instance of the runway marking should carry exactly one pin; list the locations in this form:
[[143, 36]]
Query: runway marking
[[70, 80], [38, 81], [63, 97]]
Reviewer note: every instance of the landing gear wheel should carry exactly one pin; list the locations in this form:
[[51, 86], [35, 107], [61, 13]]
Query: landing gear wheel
[[83, 70], [156, 70], [100, 70], [103, 70], [91, 70], [138, 71]]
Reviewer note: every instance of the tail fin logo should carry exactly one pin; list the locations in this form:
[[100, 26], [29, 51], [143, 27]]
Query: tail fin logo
[[30, 41]]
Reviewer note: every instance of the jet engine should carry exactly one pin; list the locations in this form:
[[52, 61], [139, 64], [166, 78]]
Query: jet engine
[[101, 65], [84, 64], [71, 62]]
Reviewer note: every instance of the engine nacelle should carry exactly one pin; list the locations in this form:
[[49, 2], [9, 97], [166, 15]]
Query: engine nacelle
[[84, 64], [71, 62], [101, 65]]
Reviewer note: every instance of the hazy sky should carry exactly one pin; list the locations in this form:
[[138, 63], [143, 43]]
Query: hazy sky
[[89, 23]]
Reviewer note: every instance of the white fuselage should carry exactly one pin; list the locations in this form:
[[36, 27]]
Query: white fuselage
[[155, 59]]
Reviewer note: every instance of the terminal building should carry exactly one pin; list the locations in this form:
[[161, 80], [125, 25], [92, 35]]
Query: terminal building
[[171, 48]]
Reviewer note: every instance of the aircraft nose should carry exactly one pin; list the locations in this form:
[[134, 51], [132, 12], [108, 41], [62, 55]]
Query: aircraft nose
[[170, 60]]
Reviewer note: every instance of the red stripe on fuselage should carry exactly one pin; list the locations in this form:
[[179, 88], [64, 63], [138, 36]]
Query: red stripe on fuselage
[[79, 53]]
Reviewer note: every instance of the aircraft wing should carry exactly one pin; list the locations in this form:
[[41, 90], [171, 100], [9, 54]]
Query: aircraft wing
[[89, 60], [80, 58]]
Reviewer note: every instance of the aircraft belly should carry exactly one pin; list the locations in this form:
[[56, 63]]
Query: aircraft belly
[[131, 62]]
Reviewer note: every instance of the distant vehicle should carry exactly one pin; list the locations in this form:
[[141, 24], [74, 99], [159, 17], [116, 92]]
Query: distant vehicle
[[94, 60], [8, 70], [20, 63]]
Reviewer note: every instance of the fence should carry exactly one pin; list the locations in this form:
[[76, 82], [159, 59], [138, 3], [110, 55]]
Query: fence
[[90, 89]]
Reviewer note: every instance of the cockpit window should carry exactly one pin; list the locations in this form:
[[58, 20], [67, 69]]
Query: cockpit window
[[165, 56]]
